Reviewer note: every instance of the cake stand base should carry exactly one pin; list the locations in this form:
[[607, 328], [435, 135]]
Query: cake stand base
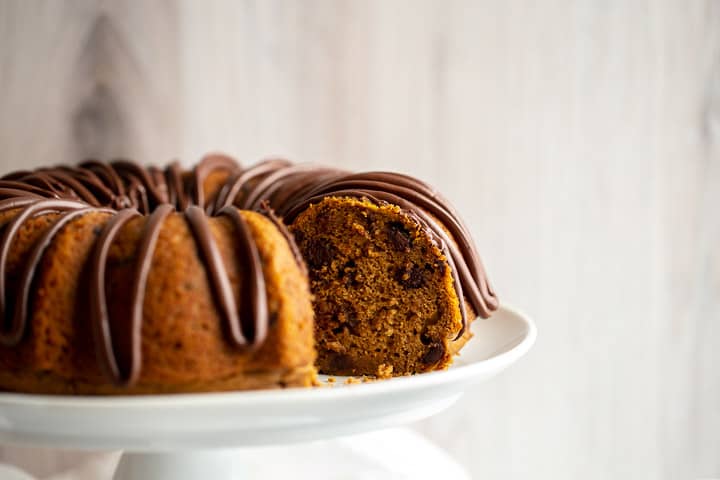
[[191, 465]]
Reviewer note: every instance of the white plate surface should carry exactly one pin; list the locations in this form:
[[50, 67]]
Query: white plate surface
[[193, 421]]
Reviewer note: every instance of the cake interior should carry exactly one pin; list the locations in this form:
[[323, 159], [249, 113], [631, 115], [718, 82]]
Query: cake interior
[[383, 293]]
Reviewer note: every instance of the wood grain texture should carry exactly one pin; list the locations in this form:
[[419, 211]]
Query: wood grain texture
[[581, 139]]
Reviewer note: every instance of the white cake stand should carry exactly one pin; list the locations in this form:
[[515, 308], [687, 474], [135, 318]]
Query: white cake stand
[[188, 437]]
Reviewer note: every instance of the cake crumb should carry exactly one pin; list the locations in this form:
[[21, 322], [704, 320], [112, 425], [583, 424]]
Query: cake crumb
[[331, 380], [335, 346], [384, 371], [352, 380]]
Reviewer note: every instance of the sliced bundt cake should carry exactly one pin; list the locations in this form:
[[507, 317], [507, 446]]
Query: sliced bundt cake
[[119, 279]]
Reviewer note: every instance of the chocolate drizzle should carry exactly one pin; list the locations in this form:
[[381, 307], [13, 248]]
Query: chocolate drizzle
[[126, 191], [270, 214], [291, 189], [13, 325], [101, 327], [253, 302], [417, 200]]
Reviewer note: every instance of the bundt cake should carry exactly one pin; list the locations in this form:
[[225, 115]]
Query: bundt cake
[[121, 279]]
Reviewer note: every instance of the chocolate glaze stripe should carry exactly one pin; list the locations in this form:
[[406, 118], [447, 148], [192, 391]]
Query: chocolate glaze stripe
[[282, 228], [208, 165], [273, 182], [63, 184], [15, 193], [158, 178], [128, 346], [17, 202], [138, 196], [176, 192], [16, 175], [299, 186], [42, 180], [143, 183], [28, 275], [18, 189], [253, 293], [232, 188], [107, 174], [99, 315], [92, 182], [70, 182], [108, 177], [11, 332], [218, 276]]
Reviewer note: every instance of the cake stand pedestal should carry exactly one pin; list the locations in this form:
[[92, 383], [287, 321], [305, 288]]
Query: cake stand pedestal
[[192, 436]]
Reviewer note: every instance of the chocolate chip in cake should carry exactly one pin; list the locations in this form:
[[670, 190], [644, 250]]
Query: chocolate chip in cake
[[370, 221], [433, 355], [347, 316], [411, 276], [319, 252], [399, 236], [298, 235], [349, 274]]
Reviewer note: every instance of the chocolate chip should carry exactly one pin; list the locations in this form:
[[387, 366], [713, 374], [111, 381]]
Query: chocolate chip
[[349, 273], [347, 317], [425, 339], [399, 236], [370, 220], [299, 236], [352, 322], [433, 355], [97, 230], [319, 252], [411, 277], [347, 269]]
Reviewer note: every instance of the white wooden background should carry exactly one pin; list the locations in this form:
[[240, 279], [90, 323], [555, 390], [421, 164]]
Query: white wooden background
[[580, 138]]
